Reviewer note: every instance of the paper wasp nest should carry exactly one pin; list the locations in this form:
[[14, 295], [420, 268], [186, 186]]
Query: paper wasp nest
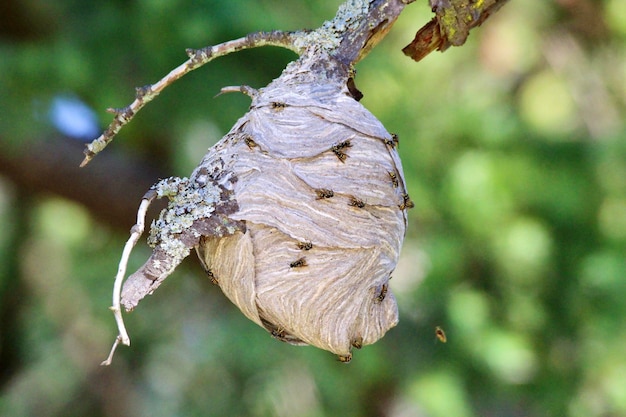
[[314, 185], [299, 212]]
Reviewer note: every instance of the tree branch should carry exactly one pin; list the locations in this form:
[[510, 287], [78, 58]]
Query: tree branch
[[197, 58], [355, 30]]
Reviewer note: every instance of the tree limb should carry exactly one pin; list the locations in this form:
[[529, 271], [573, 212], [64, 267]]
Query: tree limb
[[355, 30], [197, 58]]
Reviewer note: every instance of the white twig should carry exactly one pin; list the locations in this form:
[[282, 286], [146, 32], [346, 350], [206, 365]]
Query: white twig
[[109, 358], [197, 58], [136, 232]]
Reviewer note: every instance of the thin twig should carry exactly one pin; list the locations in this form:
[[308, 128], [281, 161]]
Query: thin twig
[[197, 58], [136, 232], [109, 358]]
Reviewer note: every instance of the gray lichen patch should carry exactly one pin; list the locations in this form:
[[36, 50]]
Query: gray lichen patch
[[330, 35], [197, 207], [190, 201]]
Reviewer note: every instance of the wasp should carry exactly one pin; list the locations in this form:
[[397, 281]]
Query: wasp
[[324, 193], [337, 150], [250, 142], [407, 203], [279, 105], [357, 343], [382, 294], [340, 155], [212, 277], [356, 202], [394, 179], [345, 358], [393, 142], [342, 145], [298, 263], [304, 245], [441, 335], [278, 333]]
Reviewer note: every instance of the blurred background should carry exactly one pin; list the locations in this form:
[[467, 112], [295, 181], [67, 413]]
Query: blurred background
[[514, 149]]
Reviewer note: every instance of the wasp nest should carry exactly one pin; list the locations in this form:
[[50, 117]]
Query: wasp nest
[[298, 213]]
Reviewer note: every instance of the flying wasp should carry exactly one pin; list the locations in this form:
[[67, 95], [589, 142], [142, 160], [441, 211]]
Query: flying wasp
[[441, 335]]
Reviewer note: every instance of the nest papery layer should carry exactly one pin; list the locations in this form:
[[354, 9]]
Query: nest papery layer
[[283, 152], [311, 215]]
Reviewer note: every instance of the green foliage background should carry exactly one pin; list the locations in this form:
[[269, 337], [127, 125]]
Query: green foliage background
[[514, 149]]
